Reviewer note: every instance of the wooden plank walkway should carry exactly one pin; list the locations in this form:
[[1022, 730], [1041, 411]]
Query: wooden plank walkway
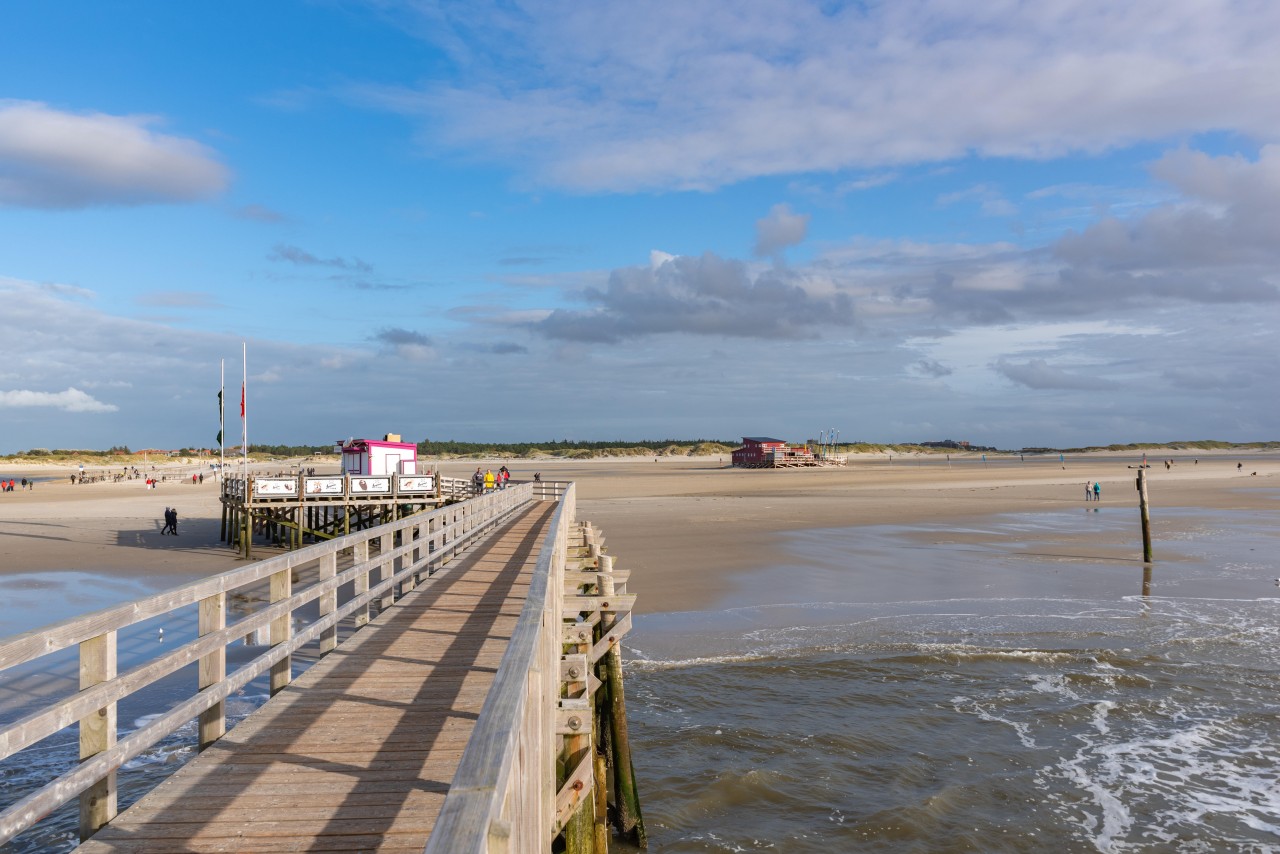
[[357, 754]]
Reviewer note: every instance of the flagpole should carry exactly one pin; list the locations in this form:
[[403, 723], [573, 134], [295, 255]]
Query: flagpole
[[222, 422], [244, 412]]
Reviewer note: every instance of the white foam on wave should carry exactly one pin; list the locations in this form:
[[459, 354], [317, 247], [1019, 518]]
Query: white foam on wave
[[1100, 711], [1183, 771], [1053, 683], [987, 712]]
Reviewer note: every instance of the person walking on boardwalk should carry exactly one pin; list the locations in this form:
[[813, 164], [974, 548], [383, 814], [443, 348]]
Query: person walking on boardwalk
[[1097, 491], [477, 480], [488, 480]]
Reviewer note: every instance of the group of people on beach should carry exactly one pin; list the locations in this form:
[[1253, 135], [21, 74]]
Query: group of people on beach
[[1092, 492], [488, 480], [170, 521], [8, 485]]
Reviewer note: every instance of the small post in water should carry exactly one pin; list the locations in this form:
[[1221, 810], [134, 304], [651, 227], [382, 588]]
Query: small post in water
[[1146, 515]]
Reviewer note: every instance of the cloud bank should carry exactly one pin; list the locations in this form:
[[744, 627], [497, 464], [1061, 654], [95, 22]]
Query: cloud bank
[[616, 97], [71, 400], [55, 159], [705, 295]]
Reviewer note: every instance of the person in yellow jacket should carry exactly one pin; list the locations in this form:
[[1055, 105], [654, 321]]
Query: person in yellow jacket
[[488, 480]]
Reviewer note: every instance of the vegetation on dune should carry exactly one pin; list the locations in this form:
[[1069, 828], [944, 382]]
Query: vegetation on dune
[[1199, 445], [567, 450], [121, 455]]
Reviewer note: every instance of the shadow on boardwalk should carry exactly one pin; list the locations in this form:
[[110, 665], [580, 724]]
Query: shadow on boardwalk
[[358, 753]]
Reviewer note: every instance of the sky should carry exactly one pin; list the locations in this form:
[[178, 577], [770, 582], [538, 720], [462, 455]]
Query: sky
[[1017, 224]]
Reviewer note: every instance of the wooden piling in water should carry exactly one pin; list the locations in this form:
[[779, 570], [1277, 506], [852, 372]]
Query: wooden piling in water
[[1145, 510], [630, 822]]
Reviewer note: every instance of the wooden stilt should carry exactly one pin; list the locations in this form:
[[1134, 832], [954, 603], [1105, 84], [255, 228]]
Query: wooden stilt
[[630, 822], [1145, 509]]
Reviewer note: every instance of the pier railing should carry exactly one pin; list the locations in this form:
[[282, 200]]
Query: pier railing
[[504, 788], [384, 562], [549, 755]]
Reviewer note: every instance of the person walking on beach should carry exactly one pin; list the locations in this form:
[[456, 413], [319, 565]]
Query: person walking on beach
[[1088, 491], [165, 529], [1097, 491], [173, 521]]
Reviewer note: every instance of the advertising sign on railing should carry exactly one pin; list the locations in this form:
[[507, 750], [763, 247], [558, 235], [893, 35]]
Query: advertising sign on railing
[[275, 486], [324, 485], [406, 483], [367, 485]]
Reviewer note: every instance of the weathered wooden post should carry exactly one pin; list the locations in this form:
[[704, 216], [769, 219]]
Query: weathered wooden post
[[328, 602], [360, 586], [627, 796], [386, 569], [212, 668], [281, 630], [97, 732], [1146, 515], [579, 830]]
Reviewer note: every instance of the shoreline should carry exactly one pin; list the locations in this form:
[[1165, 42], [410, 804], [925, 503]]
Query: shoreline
[[687, 527]]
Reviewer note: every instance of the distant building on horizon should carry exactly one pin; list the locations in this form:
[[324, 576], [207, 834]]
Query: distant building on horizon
[[763, 452]]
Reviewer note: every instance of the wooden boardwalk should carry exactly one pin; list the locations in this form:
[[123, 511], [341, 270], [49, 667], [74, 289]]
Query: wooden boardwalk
[[357, 754]]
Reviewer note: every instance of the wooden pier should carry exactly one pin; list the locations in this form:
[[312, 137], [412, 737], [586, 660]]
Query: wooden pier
[[291, 510], [475, 705]]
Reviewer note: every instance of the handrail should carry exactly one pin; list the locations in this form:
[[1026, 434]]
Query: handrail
[[507, 771], [428, 540]]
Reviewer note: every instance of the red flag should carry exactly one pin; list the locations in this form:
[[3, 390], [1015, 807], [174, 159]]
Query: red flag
[[242, 400]]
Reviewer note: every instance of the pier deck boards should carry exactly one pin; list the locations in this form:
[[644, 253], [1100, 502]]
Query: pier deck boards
[[357, 754]]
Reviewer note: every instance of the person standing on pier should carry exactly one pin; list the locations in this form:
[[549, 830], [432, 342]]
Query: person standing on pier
[[477, 481], [488, 480]]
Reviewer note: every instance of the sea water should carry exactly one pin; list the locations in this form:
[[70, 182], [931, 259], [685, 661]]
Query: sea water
[[996, 688]]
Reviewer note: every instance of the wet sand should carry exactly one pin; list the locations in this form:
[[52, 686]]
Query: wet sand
[[689, 528], [694, 530]]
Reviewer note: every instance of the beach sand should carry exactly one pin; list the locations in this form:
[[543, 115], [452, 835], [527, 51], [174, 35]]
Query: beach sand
[[690, 529]]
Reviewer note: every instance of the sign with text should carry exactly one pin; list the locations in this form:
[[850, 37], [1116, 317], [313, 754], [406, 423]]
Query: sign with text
[[325, 485], [415, 483], [366, 485], [277, 487]]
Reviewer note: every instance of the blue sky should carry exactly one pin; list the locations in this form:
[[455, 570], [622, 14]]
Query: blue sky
[[1012, 223]]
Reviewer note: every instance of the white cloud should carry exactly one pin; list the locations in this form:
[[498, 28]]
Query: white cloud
[[618, 96], [55, 159], [780, 229], [71, 400]]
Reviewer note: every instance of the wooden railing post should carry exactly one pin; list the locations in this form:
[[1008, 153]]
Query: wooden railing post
[[212, 667], [359, 555], [97, 732], [281, 630], [328, 602], [387, 569]]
